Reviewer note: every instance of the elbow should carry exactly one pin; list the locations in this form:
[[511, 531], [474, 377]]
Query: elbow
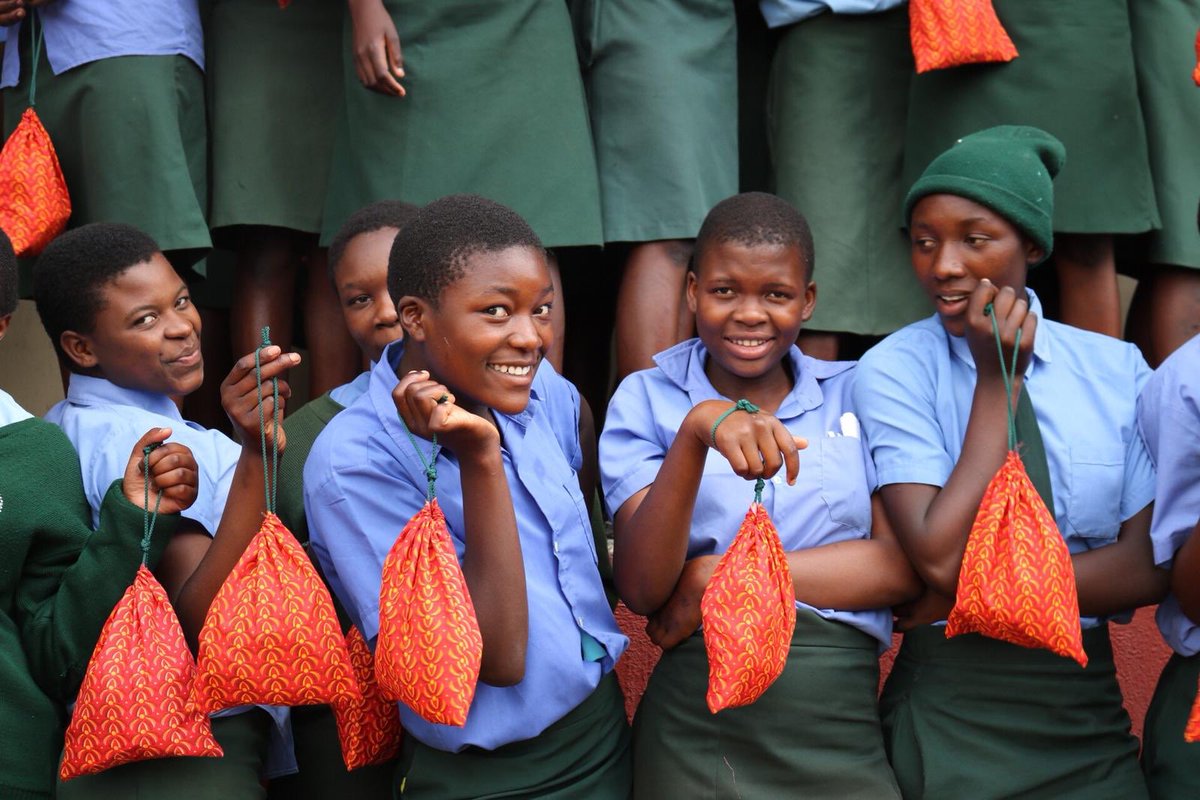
[[905, 587], [506, 670], [941, 577]]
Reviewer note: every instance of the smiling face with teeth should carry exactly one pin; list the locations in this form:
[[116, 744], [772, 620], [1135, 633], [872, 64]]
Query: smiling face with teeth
[[488, 331], [750, 303], [956, 243]]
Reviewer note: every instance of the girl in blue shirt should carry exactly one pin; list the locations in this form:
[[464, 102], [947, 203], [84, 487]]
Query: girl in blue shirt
[[678, 488]]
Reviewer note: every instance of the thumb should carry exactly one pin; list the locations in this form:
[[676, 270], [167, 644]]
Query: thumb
[[151, 438]]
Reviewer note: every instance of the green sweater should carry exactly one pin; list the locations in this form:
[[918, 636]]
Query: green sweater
[[58, 583]]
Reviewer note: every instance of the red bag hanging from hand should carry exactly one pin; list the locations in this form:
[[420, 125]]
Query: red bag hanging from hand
[[749, 613], [271, 635], [34, 203], [369, 731], [1017, 582], [949, 33], [1191, 733], [1196, 71]]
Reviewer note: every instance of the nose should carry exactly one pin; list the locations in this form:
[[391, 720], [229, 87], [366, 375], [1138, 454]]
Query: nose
[[179, 325], [385, 313], [524, 333], [749, 310], [947, 263]]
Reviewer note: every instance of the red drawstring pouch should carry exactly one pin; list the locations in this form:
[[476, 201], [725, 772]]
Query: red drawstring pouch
[[271, 635], [132, 703], [1196, 71], [1191, 733], [748, 612], [1016, 582], [950, 33], [369, 731], [429, 649]]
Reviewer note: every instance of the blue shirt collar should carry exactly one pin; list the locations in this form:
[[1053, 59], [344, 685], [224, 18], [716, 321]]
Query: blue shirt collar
[[684, 363], [1043, 341], [85, 390]]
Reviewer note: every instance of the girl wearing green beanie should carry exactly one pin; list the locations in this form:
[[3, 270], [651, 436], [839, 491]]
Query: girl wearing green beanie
[[973, 716]]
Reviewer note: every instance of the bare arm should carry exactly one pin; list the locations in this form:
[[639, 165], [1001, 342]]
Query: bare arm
[[1120, 576], [1185, 572]]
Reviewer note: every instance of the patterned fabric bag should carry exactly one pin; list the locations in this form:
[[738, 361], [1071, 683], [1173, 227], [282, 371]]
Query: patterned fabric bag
[[748, 612], [271, 635], [949, 33], [1191, 733], [429, 649], [1017, 582], [369, 731], [132, 704], [1196, 71], [34, 203]]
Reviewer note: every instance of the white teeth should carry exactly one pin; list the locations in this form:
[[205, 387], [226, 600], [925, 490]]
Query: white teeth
[[511, 370], [747, 342], [951, 298]]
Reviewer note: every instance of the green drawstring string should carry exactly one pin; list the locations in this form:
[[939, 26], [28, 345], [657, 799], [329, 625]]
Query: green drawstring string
[[430, 466], [35, 38], [148, 519], [749, 408], [270, 477], [1010, 377]]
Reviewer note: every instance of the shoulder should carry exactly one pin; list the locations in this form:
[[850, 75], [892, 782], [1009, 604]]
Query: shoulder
[[46, 437], [1098, 358], [901, 350], [343, 441]]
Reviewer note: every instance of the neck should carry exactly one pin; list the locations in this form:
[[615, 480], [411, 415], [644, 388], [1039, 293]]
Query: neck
[[767, 391], [414, 360]]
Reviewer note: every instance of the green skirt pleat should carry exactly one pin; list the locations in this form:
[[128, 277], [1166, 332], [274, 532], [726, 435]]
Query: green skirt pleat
[[323, 774], [838, 101], [1171, 765], [275, 85], [815, 733], [495, 106], [980, 718], [233, 776], [583, 756], [130, 136], [1164, 36], [1075, 78], [662, 88]]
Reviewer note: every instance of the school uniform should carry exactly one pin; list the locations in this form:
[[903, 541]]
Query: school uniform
[[1169, 421], [561, 731], [120, 90], [832, 675], [104, 421], [1004, 720]]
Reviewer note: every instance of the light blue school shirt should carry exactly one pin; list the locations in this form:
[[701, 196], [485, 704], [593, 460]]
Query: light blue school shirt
[[363, 481], [104, 421], [347, 393], [1169, 421], [10, 409], [831, 501], [785, 12], [914, 390], [81, 31]]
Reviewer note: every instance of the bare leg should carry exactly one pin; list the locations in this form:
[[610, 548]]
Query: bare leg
[[333, 358], [1174, 310], [818, 344], [264, 289], [652, 312], [1087, 277]]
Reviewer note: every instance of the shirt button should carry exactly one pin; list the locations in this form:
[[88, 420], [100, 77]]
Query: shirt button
[[580, 621], [776, 480], [555, 547]]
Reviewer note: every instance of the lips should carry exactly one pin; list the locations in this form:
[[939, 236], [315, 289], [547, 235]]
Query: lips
[[515, 370], [749, 347], [188, 358]]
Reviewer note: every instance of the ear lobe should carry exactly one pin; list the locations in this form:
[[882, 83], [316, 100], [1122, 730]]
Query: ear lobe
[[1033, 253], [412, 312], [810, 301], [78, 348]]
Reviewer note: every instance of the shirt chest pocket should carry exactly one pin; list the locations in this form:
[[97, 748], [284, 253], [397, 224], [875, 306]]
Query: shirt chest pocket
[[844, 489], [1094, 488]]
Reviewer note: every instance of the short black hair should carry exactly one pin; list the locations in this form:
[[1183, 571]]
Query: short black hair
[[432, 250], [756, 218], [9, 280], [72, 271], [368, 219]]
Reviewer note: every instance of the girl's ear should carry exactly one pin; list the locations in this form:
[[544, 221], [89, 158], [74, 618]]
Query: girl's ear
[[1033, 253], [78, 348], [691, 291], [414, 314]]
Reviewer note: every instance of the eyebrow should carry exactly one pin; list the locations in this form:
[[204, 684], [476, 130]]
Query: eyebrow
[[509, 291]]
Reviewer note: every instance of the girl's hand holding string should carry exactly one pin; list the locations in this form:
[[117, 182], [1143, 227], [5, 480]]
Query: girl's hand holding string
[[239, 396], [1011, 312], [428, 408], [756, 445], [173, 472]]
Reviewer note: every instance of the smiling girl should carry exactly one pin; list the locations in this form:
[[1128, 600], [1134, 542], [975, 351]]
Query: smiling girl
[[677, 477], [972, 716]]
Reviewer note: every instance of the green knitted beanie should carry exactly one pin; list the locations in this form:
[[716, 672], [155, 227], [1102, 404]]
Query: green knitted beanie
[[1009, 168]]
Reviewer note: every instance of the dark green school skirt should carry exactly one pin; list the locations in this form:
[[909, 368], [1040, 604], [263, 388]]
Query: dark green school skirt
[[1075, 78], [130, 136], [233, 776], [1164, 36], [583, 756], [662, 88], [837, 104], [323, 774], [274, 84], [495, 106], [972, 717], [1172, 766], [815, 733]]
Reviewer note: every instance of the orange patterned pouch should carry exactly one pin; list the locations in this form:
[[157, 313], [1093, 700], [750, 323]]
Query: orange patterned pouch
[[1191, 733], [429, 648], [132, 704], [949, 33], [1196, 71], [368, 730], [34, 203], [1016, 582], [271, 635], [749, 612]]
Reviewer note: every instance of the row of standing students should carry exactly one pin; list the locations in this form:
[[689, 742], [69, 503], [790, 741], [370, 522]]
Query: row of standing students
[[874, 474]]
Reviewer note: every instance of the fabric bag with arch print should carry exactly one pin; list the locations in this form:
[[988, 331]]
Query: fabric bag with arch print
[[1191, 733], [132, 703], [34, 202], [369, 731], [748, 609], [1017, 582], [271, 635], [950, 33], [429, 649]]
